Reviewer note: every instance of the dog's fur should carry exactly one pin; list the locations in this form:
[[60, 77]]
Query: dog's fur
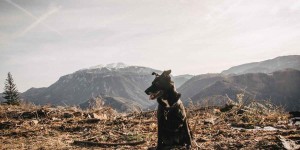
[[173, 128]]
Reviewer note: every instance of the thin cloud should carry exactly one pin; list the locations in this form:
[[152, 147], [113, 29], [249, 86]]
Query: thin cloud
[[190, 37], [38, 20]]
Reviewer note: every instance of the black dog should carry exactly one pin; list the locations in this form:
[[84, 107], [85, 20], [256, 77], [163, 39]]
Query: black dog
[[173, 128]]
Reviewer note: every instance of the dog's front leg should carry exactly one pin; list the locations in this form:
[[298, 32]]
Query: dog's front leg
[[188, 136], [160, 117]]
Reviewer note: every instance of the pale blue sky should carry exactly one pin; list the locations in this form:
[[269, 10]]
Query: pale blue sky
[[41, 40]]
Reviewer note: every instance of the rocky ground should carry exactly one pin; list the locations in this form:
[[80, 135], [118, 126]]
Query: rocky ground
[[233, 127]]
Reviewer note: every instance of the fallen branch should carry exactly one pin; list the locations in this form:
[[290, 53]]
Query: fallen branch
[[144, 121], [204, 108], [88, 143]]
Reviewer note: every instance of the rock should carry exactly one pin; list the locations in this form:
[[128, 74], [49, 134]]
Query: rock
[[34, 122], [93, 120], [94, 115], [42, 113], [281, 127], [70, 121], [55, 119], [296, 139], [28, 115], [294, 114], [68, 115], [86, 115], [7, 125], [240, 111], [77, 114], [209, 121], [295, 120], [216, 111], [288, 144], [243, 130], [267, 128], [226, 108], [101, 116]]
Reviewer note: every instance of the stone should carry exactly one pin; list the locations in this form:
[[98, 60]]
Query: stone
[[101, 116], [42, 113], [28, 115], [93, 120], [209, 121], [288, 144], [34, 122], [7, 125], [77, 114], [68, 115]]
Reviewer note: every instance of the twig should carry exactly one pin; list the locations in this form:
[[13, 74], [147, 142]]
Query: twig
[[196, 144], [143, 121], [204, 108], [88, 143]]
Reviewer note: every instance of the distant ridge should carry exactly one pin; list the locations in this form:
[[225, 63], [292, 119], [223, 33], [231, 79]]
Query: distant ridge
[[122, 87], [181, 79], [267, 66], [112, 80], [280, 87]]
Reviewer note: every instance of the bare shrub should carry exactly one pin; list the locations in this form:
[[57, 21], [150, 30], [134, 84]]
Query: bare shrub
[[256, 113], [96, 103]]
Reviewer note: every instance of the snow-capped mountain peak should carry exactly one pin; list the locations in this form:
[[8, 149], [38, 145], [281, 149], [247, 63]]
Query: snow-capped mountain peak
[[97, 67], [116, 65], [110, 66]]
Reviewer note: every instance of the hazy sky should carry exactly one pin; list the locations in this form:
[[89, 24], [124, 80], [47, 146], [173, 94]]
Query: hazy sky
[[42, 40]]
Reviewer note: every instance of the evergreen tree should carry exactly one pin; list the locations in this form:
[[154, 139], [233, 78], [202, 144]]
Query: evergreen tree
[[11, 93]]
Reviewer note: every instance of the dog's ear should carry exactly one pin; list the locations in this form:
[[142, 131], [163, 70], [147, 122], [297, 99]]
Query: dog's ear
[[154, 73], [167, 72]]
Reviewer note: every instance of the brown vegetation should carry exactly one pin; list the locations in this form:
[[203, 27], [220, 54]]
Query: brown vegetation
[[237, 126]]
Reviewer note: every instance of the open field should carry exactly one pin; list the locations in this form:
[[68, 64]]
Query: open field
[[45, 127]]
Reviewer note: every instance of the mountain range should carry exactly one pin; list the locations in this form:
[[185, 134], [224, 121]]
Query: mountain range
[[117, 83], [114, 80], [280, 87], [122, 86], [276, 80], [267, 66]]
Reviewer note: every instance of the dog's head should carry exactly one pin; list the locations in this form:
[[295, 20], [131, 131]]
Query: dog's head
[[160, 84]]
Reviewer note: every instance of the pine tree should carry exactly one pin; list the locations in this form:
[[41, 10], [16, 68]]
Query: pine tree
[[11, 93]]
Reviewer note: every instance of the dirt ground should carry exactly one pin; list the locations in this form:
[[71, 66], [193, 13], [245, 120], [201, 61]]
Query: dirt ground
[[45, 127]]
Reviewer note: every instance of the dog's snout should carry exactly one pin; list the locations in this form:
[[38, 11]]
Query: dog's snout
[[150, 90], [147, 91]]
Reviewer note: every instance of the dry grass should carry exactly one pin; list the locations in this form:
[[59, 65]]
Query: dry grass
[[255, 113], [44, 127]]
